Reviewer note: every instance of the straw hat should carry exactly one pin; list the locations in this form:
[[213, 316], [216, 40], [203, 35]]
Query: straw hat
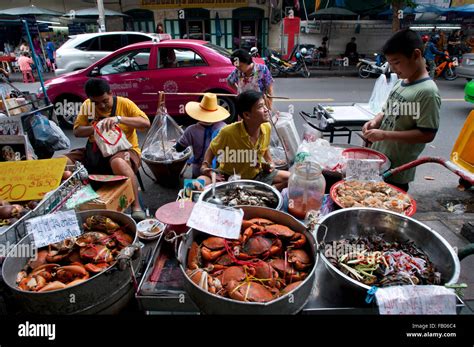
[[207, 110]]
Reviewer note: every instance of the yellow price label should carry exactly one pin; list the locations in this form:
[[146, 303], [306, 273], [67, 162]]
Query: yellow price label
[[30, 179]]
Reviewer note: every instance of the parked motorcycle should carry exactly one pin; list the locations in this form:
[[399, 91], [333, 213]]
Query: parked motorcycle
[[278, 66], [256, 56], [367, 67], [446, 67]]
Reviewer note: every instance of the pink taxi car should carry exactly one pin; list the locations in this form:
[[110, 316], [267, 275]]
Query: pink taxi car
[[140, 70]]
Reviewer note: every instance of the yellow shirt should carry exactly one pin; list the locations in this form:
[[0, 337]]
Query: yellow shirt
[[234, 150], [125, 108]]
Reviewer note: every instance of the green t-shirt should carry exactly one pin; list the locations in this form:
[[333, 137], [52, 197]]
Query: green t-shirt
[[409, 106]]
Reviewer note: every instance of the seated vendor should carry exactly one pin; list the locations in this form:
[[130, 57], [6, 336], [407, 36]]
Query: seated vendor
[[210, 118], [244, 147], [103, 106]]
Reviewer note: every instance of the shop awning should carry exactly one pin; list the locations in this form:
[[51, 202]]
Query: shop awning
[[94, 12], [31, 10]]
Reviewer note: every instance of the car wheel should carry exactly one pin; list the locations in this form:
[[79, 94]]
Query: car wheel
[[229, 105], [66, 115]]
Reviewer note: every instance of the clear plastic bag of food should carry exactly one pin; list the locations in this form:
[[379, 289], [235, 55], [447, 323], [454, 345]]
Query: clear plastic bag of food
[[162, 137]]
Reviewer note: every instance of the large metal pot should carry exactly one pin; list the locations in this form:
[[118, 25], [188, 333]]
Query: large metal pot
[[290, 303], [222, 188], [352, 222], [105, 293]]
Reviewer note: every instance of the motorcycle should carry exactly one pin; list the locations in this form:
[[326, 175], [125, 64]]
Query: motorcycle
[[256, 56], [367, 67], [278, 66], [446, 67]]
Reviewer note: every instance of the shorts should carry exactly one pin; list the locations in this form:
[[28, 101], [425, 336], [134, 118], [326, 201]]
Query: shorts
[[266, 177], [130, 156]]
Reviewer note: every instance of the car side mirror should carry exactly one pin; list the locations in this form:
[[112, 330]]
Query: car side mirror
[[95, 72]]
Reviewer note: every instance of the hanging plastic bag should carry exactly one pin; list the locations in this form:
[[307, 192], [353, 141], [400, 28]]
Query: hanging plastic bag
[[111, 141], [63, 142], [162, 137], [381, 91]]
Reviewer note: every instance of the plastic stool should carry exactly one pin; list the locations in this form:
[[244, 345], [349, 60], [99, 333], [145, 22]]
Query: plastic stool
[[28, 77]]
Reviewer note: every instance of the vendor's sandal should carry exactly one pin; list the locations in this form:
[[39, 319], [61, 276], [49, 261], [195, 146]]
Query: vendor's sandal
[[138, 215]]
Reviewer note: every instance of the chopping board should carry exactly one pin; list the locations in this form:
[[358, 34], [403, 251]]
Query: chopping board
[[175, 213]]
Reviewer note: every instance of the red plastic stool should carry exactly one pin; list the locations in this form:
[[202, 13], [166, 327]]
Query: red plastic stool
[[28, 77]]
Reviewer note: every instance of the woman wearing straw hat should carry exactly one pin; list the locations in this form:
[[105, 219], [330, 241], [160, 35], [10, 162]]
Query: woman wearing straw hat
[[210, 118], [244, 146]]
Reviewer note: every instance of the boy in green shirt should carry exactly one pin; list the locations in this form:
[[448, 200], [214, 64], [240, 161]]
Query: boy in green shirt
[[410, 117]]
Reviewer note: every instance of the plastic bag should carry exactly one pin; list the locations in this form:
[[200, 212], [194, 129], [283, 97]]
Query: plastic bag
[[381, 92], [161, 139], [63, 142], [110, 142], [43, 133], [310, 134], [321, 152]]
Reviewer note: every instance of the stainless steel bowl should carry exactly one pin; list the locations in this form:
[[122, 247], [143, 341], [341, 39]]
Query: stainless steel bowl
[[353, 222], [291, 303], [222, 188], [106, 292]]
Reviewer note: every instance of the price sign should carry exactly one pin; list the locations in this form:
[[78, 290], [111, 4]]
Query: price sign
[[216, 220], [416, 300], [30, 179], [53, 228], [363, 169]]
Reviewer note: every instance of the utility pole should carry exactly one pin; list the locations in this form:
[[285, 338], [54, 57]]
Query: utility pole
[[100, 7]]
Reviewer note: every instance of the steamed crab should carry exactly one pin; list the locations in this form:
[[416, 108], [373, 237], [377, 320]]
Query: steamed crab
[[268, 260]]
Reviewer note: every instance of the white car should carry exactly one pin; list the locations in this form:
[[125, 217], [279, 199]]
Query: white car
[[82, 50]]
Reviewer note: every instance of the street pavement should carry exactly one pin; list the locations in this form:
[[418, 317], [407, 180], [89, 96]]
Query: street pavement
[[344, 87]]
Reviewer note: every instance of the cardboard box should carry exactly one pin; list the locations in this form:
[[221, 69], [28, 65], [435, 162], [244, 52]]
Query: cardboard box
[[114, 196]]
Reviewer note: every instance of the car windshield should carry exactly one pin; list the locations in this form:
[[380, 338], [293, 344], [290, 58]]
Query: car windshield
[[218, 49]]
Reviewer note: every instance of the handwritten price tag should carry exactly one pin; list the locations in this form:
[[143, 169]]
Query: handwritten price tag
[[218, 221], [53, 228], [363, 169], [30, 179], [416, 300]]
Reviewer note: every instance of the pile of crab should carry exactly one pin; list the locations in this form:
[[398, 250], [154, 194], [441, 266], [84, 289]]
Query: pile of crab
[[74, 260], [267, 261]]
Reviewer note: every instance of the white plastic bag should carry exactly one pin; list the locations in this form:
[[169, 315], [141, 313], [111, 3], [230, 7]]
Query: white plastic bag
[[110, 142], [63, 141], [381, 91]]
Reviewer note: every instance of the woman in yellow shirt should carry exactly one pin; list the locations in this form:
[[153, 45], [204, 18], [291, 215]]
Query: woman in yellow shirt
[[245, 146]]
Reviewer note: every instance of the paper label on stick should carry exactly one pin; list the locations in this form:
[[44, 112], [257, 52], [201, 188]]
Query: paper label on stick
[[216, 220], [53, 228], [416, 300], [363, 169]]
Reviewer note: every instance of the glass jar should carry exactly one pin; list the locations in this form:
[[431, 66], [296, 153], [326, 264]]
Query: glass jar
[[306, 187]]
